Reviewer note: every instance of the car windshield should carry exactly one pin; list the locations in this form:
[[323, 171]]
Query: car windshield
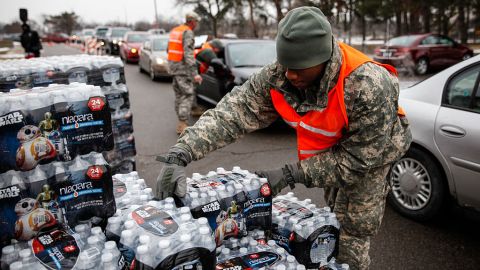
[[160, 44], [119, 32], [136, 38], [403, 41], [102, 32], [88, 33], [240, 54]]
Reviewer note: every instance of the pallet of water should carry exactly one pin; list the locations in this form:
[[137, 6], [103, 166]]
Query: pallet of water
[[304, 230]]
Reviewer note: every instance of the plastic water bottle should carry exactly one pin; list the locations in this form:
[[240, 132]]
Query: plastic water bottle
[[97, 231], [111, 247], [143, 255], [16, 266], [8, 256], [108, 262]]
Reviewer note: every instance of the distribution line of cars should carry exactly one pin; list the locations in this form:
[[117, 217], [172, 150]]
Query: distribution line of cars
[[443, 162]]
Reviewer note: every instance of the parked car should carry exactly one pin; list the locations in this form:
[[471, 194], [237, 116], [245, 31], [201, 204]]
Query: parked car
[[153, 57], [242, 57], [444, 158], [101, 35], [56, 37], [132, 41], [114, 39], [422, 52]]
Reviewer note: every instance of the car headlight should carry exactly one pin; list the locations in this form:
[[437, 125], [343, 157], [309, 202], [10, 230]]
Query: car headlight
[[120, 42], [160, 61], [102, 43], [114, 41], [133, 50]]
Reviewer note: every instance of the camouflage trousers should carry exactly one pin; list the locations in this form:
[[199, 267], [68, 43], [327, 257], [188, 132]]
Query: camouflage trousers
[[184, 96], [360, 210]]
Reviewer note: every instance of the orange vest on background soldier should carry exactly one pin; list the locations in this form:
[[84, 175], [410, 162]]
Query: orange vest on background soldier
[[210, 50], [175, 43]]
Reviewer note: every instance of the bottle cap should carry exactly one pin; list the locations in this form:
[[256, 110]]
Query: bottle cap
[[107, 257], [127, 234], [290, 259], [243, 250], [97, 230], [16, 266], [164, 243], [142, 250], [92, 240], [24, 253], [185, 237], [204, 230], [129, 224], [144, 239], [8, 249], [110, 245]]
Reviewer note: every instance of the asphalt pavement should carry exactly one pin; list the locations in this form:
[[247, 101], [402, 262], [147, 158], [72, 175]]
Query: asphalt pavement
[[450, 242]]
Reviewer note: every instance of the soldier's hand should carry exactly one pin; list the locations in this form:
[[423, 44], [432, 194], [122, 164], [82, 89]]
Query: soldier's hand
[[198, 79], [283, 177], [172, 178]]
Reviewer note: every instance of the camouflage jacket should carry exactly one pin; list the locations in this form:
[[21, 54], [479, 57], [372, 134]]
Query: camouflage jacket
[[188, 65], [376, 136]]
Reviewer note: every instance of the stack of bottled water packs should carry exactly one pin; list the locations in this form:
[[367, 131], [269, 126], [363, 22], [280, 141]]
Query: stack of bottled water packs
[[156, 234], [107, 72], [309, 233], [234, 202]]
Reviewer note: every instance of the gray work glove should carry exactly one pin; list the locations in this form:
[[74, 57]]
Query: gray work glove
[[172, 179], [283, 177]]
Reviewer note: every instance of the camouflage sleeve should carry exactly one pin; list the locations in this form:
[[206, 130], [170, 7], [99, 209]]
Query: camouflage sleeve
[[188, 52], [367, 143], [245, 109]]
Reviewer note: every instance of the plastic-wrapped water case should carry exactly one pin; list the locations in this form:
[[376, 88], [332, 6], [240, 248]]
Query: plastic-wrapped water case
[[158, 235], [305, 231], [249, 253], [234, 202], [42, 71], [58, 194], [54, 123]]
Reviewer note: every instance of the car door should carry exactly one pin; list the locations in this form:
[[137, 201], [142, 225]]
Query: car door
[[145, 53], [457, 133], [448, 50], [434, 52]]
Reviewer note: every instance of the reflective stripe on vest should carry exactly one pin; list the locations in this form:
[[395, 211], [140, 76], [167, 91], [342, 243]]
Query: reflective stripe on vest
[[175, 43], [317, 131]]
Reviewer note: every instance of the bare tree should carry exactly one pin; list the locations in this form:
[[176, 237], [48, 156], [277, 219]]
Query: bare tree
[[65, 22], [213, 10]]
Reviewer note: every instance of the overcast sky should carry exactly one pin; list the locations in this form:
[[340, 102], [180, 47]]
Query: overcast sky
[[100, 11]]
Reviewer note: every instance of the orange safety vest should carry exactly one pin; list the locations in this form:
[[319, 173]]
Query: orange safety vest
[[175, 43], [319, 130]]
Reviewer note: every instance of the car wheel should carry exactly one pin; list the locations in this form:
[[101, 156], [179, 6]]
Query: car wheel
[[152, 74], [421, 67], [418, 187], [466, 56]]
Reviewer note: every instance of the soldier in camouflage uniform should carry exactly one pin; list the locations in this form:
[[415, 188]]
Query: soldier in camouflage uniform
[[183, 68], [353, 171]]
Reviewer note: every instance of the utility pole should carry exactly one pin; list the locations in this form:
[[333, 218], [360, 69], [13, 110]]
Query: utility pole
[[156, 15]]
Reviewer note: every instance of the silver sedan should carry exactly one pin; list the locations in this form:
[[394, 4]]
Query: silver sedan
[[444, 159]]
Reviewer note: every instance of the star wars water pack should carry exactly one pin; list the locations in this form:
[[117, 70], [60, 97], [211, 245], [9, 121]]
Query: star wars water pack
[[234, 202], [54, 123], [55, 195], [309, 233]]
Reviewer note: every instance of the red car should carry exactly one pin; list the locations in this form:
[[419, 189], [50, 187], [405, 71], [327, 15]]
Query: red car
[[56, 37], [422, 52], [132, 41]]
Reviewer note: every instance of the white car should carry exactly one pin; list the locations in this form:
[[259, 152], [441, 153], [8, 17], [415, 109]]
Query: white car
[[444, 158]]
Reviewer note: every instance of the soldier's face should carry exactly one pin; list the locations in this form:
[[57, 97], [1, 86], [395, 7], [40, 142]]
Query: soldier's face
[[304, 78]]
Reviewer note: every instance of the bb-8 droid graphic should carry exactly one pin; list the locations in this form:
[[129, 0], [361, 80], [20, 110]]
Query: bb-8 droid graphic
[[33, 148], [30, 219]]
